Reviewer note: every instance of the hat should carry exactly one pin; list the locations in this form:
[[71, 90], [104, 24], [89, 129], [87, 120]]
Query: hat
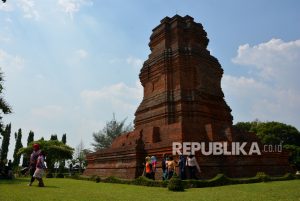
[[36, 146]]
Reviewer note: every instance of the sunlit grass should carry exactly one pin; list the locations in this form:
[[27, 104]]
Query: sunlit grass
[[69, 189]]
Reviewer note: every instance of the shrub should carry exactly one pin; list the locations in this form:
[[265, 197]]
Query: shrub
[[60, 175], [218, 180], [175, 184], [49, 175], [144, 181], [287, 176], [263, 177], [255, 179], [95, 178], [112, 179]]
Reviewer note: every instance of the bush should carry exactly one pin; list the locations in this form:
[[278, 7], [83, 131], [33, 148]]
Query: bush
[[60, 175], [49, 175], [287, 176], [112, 179], [219, 180], [97, 179], [144, 181], [255, 179], [263, 177], [175, 184]]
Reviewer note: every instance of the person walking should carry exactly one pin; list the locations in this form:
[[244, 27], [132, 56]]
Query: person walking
[[33, 160], [40, 166]]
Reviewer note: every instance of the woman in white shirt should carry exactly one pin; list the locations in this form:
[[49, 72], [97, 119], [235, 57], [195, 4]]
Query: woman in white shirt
[[192, 166]]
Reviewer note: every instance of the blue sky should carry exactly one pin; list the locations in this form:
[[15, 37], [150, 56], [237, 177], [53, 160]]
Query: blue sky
[[70, 64]]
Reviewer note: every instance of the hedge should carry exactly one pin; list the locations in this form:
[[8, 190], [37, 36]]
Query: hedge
[[218, 180]]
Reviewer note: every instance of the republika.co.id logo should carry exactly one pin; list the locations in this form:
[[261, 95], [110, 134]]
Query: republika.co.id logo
[[222, 148]]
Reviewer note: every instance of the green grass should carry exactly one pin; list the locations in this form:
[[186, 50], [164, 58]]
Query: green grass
[[69, 189]]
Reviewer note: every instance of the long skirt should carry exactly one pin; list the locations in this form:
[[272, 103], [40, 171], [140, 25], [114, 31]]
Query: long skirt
[[38, 173]]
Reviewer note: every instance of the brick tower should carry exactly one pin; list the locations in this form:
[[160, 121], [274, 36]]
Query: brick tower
[[183, 102], [182, 84]]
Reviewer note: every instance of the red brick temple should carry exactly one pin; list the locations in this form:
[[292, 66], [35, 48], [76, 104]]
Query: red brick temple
[[183, 102]]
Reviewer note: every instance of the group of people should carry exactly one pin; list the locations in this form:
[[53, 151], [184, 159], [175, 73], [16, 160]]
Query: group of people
[[37, 165], [6, 169], [188, 167]]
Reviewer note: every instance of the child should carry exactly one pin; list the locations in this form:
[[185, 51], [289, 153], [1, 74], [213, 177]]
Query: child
[[40, 166], [148, 167]]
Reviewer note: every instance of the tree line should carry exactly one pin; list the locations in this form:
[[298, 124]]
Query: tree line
[[276, 133]]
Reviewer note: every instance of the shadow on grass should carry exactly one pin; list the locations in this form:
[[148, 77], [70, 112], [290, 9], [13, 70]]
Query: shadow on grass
[[14, 181], [46, 186]]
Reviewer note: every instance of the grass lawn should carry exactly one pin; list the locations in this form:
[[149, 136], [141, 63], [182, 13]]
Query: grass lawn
[[69, 189]]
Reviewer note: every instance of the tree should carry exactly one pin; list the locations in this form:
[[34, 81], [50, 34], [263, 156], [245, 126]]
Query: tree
[[18, 137], [62, 163], [104, 138], [4, 106], [275, 133], [80, 156], [55, 151], [272, 132], [64, 138], [5, 142], [53, 137], [25, 156], [30, 137]]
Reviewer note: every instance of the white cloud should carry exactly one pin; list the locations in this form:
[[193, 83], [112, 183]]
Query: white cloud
[[72, 6], [273, 60], [115, 60], [39, 76], [29, 10], [11, 63], [7, 7], [81, 54], [135, 62], [77, 57], [118, 96], [4, 39], [272, 91], [8, 20], [48, 112]]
